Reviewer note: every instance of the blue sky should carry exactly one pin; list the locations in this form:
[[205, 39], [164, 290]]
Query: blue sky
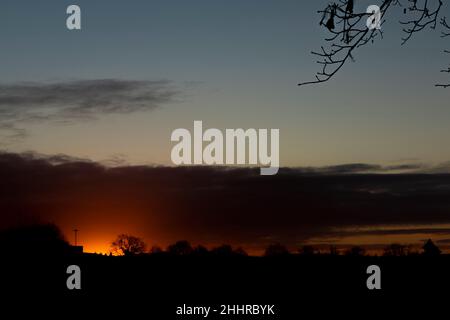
[[235, 64]]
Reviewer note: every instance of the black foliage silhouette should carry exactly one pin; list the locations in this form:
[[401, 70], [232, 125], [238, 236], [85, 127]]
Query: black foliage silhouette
[[349, 31], [430, 249], [275, 250], [128, 245], [42, 239], [180, 248]]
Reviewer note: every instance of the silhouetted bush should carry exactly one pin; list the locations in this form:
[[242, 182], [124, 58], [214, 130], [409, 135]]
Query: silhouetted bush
[[396, 250], [356, 251], [307, 250], [430, 249], [34, 239], [334, 251], [180, 248], [156, 250], [200, 251], [240, 252], [276, 249], [224, 250]]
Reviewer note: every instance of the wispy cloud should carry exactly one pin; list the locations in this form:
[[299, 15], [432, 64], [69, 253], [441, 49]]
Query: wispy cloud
[[361, 168], [74, 100], [389, 231]]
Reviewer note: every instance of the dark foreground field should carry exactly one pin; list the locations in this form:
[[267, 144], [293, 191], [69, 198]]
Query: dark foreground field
[[157, 285]]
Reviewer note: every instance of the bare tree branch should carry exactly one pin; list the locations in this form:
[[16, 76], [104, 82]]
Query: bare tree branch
[[350, 31], [447, 71], [423, 17], [446, 26], [445, 33]]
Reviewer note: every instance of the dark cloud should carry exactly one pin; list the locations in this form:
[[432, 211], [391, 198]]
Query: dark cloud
[[363, 168], [214, 205], [56, 159], [390, 231], [74, 100], [10, 132], [442, 167]]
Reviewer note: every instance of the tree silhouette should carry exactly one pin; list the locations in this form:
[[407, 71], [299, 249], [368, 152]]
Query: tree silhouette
[[396, 250], [334, 251], [200, 251], [430, 249], [128, 245], [276, 249], [180, 248], [39, 239], [156, 250], [224, 250], [349, 30], [240, 252], [307, 250], [228, 251], [356, 251]]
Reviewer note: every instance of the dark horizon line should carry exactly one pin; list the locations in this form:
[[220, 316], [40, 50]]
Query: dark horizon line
[[407, 168]]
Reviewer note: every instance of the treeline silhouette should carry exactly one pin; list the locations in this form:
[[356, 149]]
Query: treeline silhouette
[[34, 239], [40, 255], [128, 245], [47, 239]]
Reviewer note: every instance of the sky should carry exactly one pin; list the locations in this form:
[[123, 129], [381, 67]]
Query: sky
[[113, 92], [339, 205], [233, 64]]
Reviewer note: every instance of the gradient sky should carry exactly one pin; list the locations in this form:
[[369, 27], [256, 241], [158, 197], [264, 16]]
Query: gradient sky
[[230, 64], [212, 206], [236, 64]]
